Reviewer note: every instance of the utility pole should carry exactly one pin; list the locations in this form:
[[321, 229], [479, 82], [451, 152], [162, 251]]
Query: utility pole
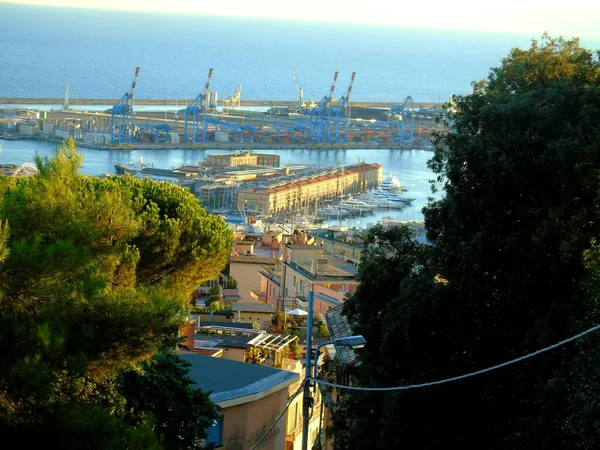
[[307, 400]]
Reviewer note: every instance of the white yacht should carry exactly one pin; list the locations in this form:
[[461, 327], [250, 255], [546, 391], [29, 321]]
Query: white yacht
[[391, 183], [356, 204]]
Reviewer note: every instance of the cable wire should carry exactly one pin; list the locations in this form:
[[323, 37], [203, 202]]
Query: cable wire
[[460, 377], [280, 416]]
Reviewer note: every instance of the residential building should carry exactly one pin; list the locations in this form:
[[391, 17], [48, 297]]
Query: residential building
[[303, 193], [250, 398], [254, 312], [244, 269], [306, 268]]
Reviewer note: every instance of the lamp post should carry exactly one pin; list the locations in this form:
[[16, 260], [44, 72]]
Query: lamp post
[[353, 341], [307, 399]]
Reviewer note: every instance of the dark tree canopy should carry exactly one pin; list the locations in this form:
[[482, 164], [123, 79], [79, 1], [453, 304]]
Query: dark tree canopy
[[510, 269], [96, 279]]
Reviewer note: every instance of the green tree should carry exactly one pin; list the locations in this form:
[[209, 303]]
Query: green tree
[[181, 413], [96, 279], [504, 276]]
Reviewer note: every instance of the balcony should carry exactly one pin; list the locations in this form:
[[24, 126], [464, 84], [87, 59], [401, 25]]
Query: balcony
[[272, 275], [257, 295]]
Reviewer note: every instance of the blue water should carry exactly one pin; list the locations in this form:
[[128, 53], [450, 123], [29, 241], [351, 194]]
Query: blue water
[[41, 48]]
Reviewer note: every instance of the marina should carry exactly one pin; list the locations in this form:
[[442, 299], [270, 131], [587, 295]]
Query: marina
[[409, 166]]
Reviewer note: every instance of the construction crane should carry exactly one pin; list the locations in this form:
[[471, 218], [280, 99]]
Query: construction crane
[[299, 89], [195, 111], [121, 116]]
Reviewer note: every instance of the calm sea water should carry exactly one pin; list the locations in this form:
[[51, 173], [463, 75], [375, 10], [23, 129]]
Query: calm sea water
[[410, 166], [41, 48]]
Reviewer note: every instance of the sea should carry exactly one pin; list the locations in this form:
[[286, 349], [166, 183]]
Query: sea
[[96, 51]]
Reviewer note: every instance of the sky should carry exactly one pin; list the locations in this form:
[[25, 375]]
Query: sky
[[534, 17]]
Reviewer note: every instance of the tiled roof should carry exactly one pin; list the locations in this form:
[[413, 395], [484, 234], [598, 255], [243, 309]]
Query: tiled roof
[[339, 327]]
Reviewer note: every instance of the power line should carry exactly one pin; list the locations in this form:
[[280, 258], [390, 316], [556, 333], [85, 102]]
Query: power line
[[280, 416], [460, 377]]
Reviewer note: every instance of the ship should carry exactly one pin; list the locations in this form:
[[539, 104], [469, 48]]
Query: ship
[[131, 168], [391, 183]]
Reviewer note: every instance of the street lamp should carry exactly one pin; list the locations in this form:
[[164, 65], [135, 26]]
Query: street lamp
[[307, 400], [352, 341]]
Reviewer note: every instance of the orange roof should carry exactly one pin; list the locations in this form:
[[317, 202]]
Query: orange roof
[[353, 169]]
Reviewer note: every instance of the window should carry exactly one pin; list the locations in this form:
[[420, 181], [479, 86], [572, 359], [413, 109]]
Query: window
[[293, 418], [215, 432], [294, 280]]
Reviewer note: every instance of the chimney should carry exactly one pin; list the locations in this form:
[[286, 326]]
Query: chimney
[[189, 333]]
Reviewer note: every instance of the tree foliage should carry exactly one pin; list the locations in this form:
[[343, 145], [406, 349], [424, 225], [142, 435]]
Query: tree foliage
[[510, 269], [96, 279]]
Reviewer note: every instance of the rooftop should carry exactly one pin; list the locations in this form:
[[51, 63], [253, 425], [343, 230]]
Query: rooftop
[[339, 327], [223, 325], [205, 339], [356, 168], [253, 307], [227, 337], [228, 380], [327, 267]]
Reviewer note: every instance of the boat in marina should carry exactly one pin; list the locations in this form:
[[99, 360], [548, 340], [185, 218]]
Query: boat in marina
[[382, 195], [358, 205], [132, 168], [391, 183]]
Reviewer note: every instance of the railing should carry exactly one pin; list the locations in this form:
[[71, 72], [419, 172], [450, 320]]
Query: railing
[[256, 294], [316, 275], [273, 276]]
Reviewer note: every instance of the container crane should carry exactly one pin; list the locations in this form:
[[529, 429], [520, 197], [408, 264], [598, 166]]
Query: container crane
[[327, 109], [339, 116], [402, 132], [319, 114], [121, 116], [196, 110]]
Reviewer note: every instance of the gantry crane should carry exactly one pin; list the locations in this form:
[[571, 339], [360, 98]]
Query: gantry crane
[[402, 131], [121, 116], [320, 114], [339, 116], [196, 111]]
